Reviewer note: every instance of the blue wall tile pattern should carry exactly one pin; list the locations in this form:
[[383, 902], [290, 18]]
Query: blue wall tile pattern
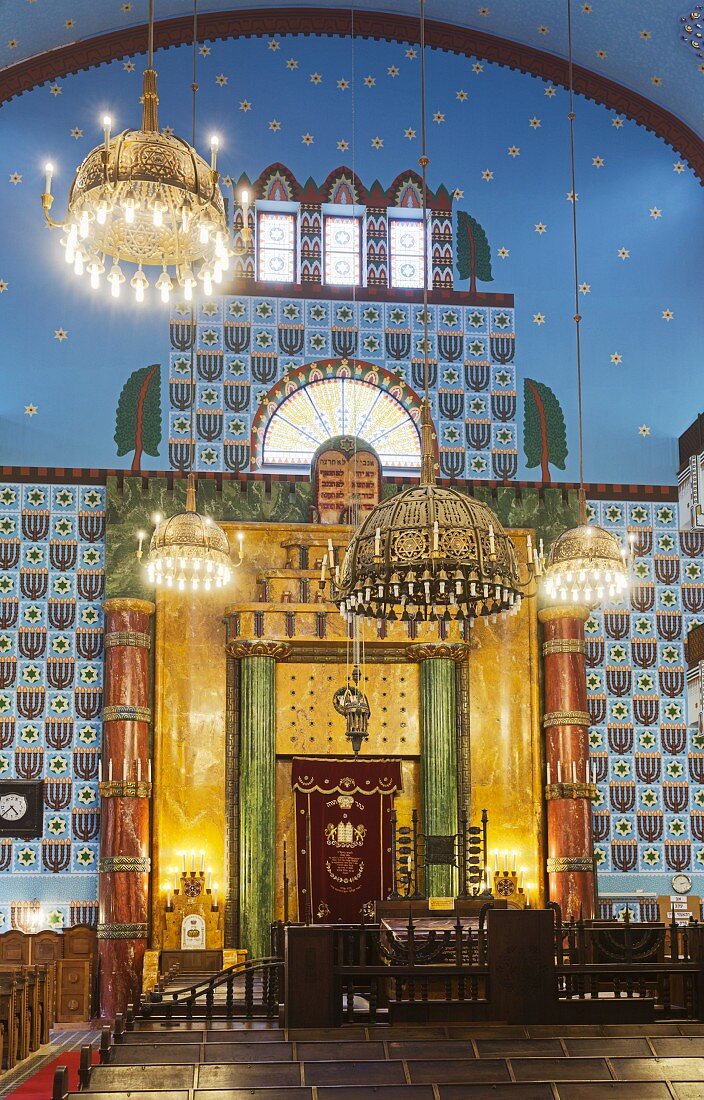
[[242, 346], [649, 814], [52, 580]]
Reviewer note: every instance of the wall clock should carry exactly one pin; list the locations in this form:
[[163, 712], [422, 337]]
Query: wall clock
[[681, 883], [21, 808]]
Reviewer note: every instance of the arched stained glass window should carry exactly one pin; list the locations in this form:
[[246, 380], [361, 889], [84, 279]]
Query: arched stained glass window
[[341, 406]]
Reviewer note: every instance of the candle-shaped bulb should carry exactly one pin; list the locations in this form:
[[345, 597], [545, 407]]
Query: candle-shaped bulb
[[109, 771], [100, 771], [48, 173], [548, 774], [529, 549], [513, 855], [377, 542], [184, 862], [244, 196], [214, 146], [559, 771], [574, 771], [139, 771], [436, 535], [202, 860], [492, 542]]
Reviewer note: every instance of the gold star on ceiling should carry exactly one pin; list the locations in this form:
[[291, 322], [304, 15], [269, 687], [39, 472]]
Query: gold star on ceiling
[[343, 84], [393, 70], [274, 44], [410, 134], [541, 228], [221, 80], [534, 123], [438, 117], [60, 334], [76, 133], [458, 193], [514, 151], [487, 175], [617, 122], [15, 178], [31, 410], [245, 105], [543, 29], [477, 67], [655, 212], [343, 145], [275, 125], [411, 53], [462, 95], [539, 318], [128, 66], [369, 81], [624, 254], [656, 81], [667, 315], [204, 50], [601, 54], [644, 430], [598, 162], [503, 253], [3, 285], [307, 139], [585, 288], [616, 357], [550, 92], [292, 64], [377, 143], [316, 78], [55, 89]]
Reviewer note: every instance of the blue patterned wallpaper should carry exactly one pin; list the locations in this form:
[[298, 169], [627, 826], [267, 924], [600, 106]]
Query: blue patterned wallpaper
[[649, 815], [52, 579], [245, 346]]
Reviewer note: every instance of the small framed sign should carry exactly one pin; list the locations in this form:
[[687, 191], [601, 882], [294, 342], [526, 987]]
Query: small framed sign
[[21, 808]]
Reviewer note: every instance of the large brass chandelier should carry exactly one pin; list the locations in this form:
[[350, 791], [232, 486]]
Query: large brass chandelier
[[586, 562], [428, 553], [146, 199]]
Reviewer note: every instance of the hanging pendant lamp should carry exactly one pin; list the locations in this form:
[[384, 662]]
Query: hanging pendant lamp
[[585, 563], [428, 553]]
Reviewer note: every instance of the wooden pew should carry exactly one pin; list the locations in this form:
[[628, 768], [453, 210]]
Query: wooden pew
[[8, 1019]]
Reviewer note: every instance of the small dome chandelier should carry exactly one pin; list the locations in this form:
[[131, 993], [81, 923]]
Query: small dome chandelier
[[148, 199], [428, 553], [351, 702], [585, 563], [189, 551]]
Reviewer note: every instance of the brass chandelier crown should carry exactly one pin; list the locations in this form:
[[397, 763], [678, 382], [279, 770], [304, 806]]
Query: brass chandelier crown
[[586, 563], [429, 553], [146, 198], [188, 550]]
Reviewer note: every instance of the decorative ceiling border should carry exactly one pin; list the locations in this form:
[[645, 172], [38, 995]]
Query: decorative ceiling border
[[375, 25]]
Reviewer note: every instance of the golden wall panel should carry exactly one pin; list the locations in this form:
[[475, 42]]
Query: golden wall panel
[[505, 740], [307, 722], [189, 740]]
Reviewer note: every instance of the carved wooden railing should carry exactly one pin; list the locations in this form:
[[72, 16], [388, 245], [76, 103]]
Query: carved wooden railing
[[250, 988]]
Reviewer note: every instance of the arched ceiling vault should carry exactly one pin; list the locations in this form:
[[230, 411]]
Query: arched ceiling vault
[[629, 57]]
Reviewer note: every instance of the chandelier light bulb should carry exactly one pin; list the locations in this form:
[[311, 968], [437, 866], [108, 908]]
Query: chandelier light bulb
[[164, 285], [95, 271], [84, 225], [48, 173], [204, 233], [101, 212], [107, 126], [158, 214], [217, 272], [128, 207], [115, 278], [214, 146], [71, 242], [139, 284], [78, 262], [207, 277], [185, 217]]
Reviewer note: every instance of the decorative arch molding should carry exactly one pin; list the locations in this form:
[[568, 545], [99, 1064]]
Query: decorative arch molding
[[369, 374], [76, 56]]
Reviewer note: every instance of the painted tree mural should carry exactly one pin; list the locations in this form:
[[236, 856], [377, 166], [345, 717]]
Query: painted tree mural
[[473, 252], [544, 436], [138, 416]]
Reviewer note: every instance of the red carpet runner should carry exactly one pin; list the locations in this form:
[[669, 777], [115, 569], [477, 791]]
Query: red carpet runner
[[39, 1085]]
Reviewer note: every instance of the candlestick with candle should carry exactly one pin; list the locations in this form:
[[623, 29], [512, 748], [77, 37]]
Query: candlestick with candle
[[149, 771], [202, 861], [110, 771], [139, 771], [184, 863]]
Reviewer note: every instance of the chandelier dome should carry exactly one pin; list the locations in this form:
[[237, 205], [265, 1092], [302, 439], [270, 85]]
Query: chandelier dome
[[585, 563], [429, 553]]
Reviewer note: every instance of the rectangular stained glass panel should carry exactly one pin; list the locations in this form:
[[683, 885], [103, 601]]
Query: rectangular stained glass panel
[[342, 240], [276, 243], [407, 241]]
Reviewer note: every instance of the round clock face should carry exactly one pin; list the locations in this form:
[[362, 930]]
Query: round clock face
[[681, 884], [13, 807]]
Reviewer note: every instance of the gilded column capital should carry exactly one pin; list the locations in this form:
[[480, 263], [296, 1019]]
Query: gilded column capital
[[564, 611], [259, 647], [129, 603], [448, 651]]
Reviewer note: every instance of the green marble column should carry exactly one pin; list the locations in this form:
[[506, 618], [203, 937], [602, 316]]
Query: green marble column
[[257, 791], [439, 741]]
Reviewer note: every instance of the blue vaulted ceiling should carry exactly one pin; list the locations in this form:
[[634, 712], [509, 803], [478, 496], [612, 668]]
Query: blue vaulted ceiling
[[637, 43]]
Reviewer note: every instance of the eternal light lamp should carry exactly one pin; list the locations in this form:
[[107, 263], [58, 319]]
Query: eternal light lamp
[[149, 199], [190, 551]]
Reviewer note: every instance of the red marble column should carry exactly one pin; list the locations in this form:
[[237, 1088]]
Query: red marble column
[[568, 791], [125, 791]]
